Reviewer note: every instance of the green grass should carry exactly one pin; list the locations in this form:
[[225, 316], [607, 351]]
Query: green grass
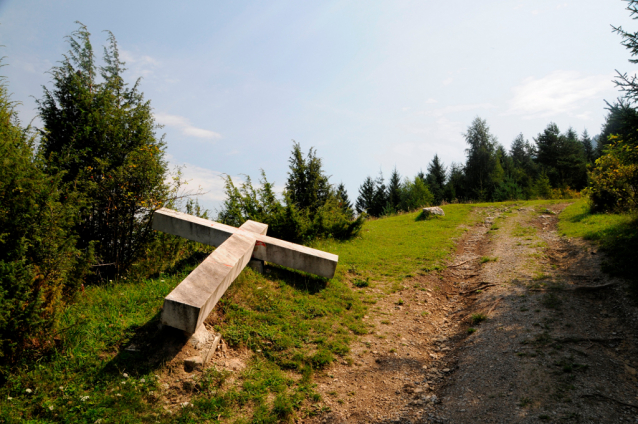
[[486, 259], [616, 234], [295, 325], [391, 248]]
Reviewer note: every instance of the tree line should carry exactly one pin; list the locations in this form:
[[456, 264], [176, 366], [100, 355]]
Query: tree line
[[553, 165]]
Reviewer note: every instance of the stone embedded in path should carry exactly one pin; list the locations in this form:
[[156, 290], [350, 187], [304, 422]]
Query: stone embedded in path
[[191, 301], [268, 249], [433, 211]]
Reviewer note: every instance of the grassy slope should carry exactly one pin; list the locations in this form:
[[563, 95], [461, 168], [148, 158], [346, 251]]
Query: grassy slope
[[295, 324], [617, 235]]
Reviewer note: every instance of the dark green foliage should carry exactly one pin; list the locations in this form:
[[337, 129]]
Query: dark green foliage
[[508, 189], [455, 187], [380, 198], [344, 201], [588, 147], [366, 195], [307, 187], [561, 157], [299, 219], [40, 269], [394, 192], [412, 194], [100, 134], [481, 160], [436, 179]]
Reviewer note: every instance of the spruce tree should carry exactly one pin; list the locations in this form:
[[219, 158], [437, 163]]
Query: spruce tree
[[380, 199], [100, 133], [394, 191], [366, 196], [344, 201], [436, 179]]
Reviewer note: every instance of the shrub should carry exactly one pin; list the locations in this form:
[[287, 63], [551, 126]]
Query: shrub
[[100, 133], [40, 269], [614, 179], [301, 217]]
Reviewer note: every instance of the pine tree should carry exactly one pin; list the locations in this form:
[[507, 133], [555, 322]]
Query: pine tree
[[394, 192], [101, 134], [366, 196], [436, 179]]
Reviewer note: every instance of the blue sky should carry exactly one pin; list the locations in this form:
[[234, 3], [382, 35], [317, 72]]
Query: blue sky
[[370, 84]]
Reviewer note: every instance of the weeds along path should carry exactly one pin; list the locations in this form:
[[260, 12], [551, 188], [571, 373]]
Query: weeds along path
[[522, 327]]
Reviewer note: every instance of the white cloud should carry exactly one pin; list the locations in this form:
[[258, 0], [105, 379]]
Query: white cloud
[[558, 92], [430, 100], [185, 126], [448, 81]]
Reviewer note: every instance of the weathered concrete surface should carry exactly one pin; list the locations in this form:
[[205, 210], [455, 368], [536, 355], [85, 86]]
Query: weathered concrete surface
[[433, 211], [191, 301], [254, 227], [268, 249]]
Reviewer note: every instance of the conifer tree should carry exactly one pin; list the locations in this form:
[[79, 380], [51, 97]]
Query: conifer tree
[[481, 159], [436, 179], [394, 191], [344, 201], [380, 199], [366, 196], [307, 186], [100, 133], [588, 146], [40, 268]]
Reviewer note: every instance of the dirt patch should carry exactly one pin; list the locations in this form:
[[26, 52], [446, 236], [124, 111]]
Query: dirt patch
[[522, 327]]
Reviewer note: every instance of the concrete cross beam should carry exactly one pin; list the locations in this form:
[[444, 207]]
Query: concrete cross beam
[[268, 249], [188, 305]]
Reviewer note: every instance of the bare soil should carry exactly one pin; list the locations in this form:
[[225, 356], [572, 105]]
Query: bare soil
[[521, 327]]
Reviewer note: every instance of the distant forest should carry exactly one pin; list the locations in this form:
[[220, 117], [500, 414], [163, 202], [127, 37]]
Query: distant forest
[[553, 165]]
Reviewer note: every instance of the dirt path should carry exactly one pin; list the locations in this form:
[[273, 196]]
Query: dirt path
[[518, 329]]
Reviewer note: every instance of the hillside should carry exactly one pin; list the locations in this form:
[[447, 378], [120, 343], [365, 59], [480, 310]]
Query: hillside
[[425, 321]]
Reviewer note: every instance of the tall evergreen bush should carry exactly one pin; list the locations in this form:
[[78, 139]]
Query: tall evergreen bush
[[40, 268], [100, 134]]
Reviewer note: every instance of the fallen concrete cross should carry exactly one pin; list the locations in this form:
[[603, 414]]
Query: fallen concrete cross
[[269, 249], [192, 300]]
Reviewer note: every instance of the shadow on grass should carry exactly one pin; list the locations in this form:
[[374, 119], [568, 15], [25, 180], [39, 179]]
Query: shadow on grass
[[620, 244], [149, 348], [301, 281], [579, 217]]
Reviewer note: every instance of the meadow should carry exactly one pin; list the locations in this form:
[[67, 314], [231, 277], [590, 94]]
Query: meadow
[[294, 324]]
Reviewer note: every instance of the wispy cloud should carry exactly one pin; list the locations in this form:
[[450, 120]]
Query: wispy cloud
[[185, 126], [140, 64], [448, 81], [558, 92], [430, 100]]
